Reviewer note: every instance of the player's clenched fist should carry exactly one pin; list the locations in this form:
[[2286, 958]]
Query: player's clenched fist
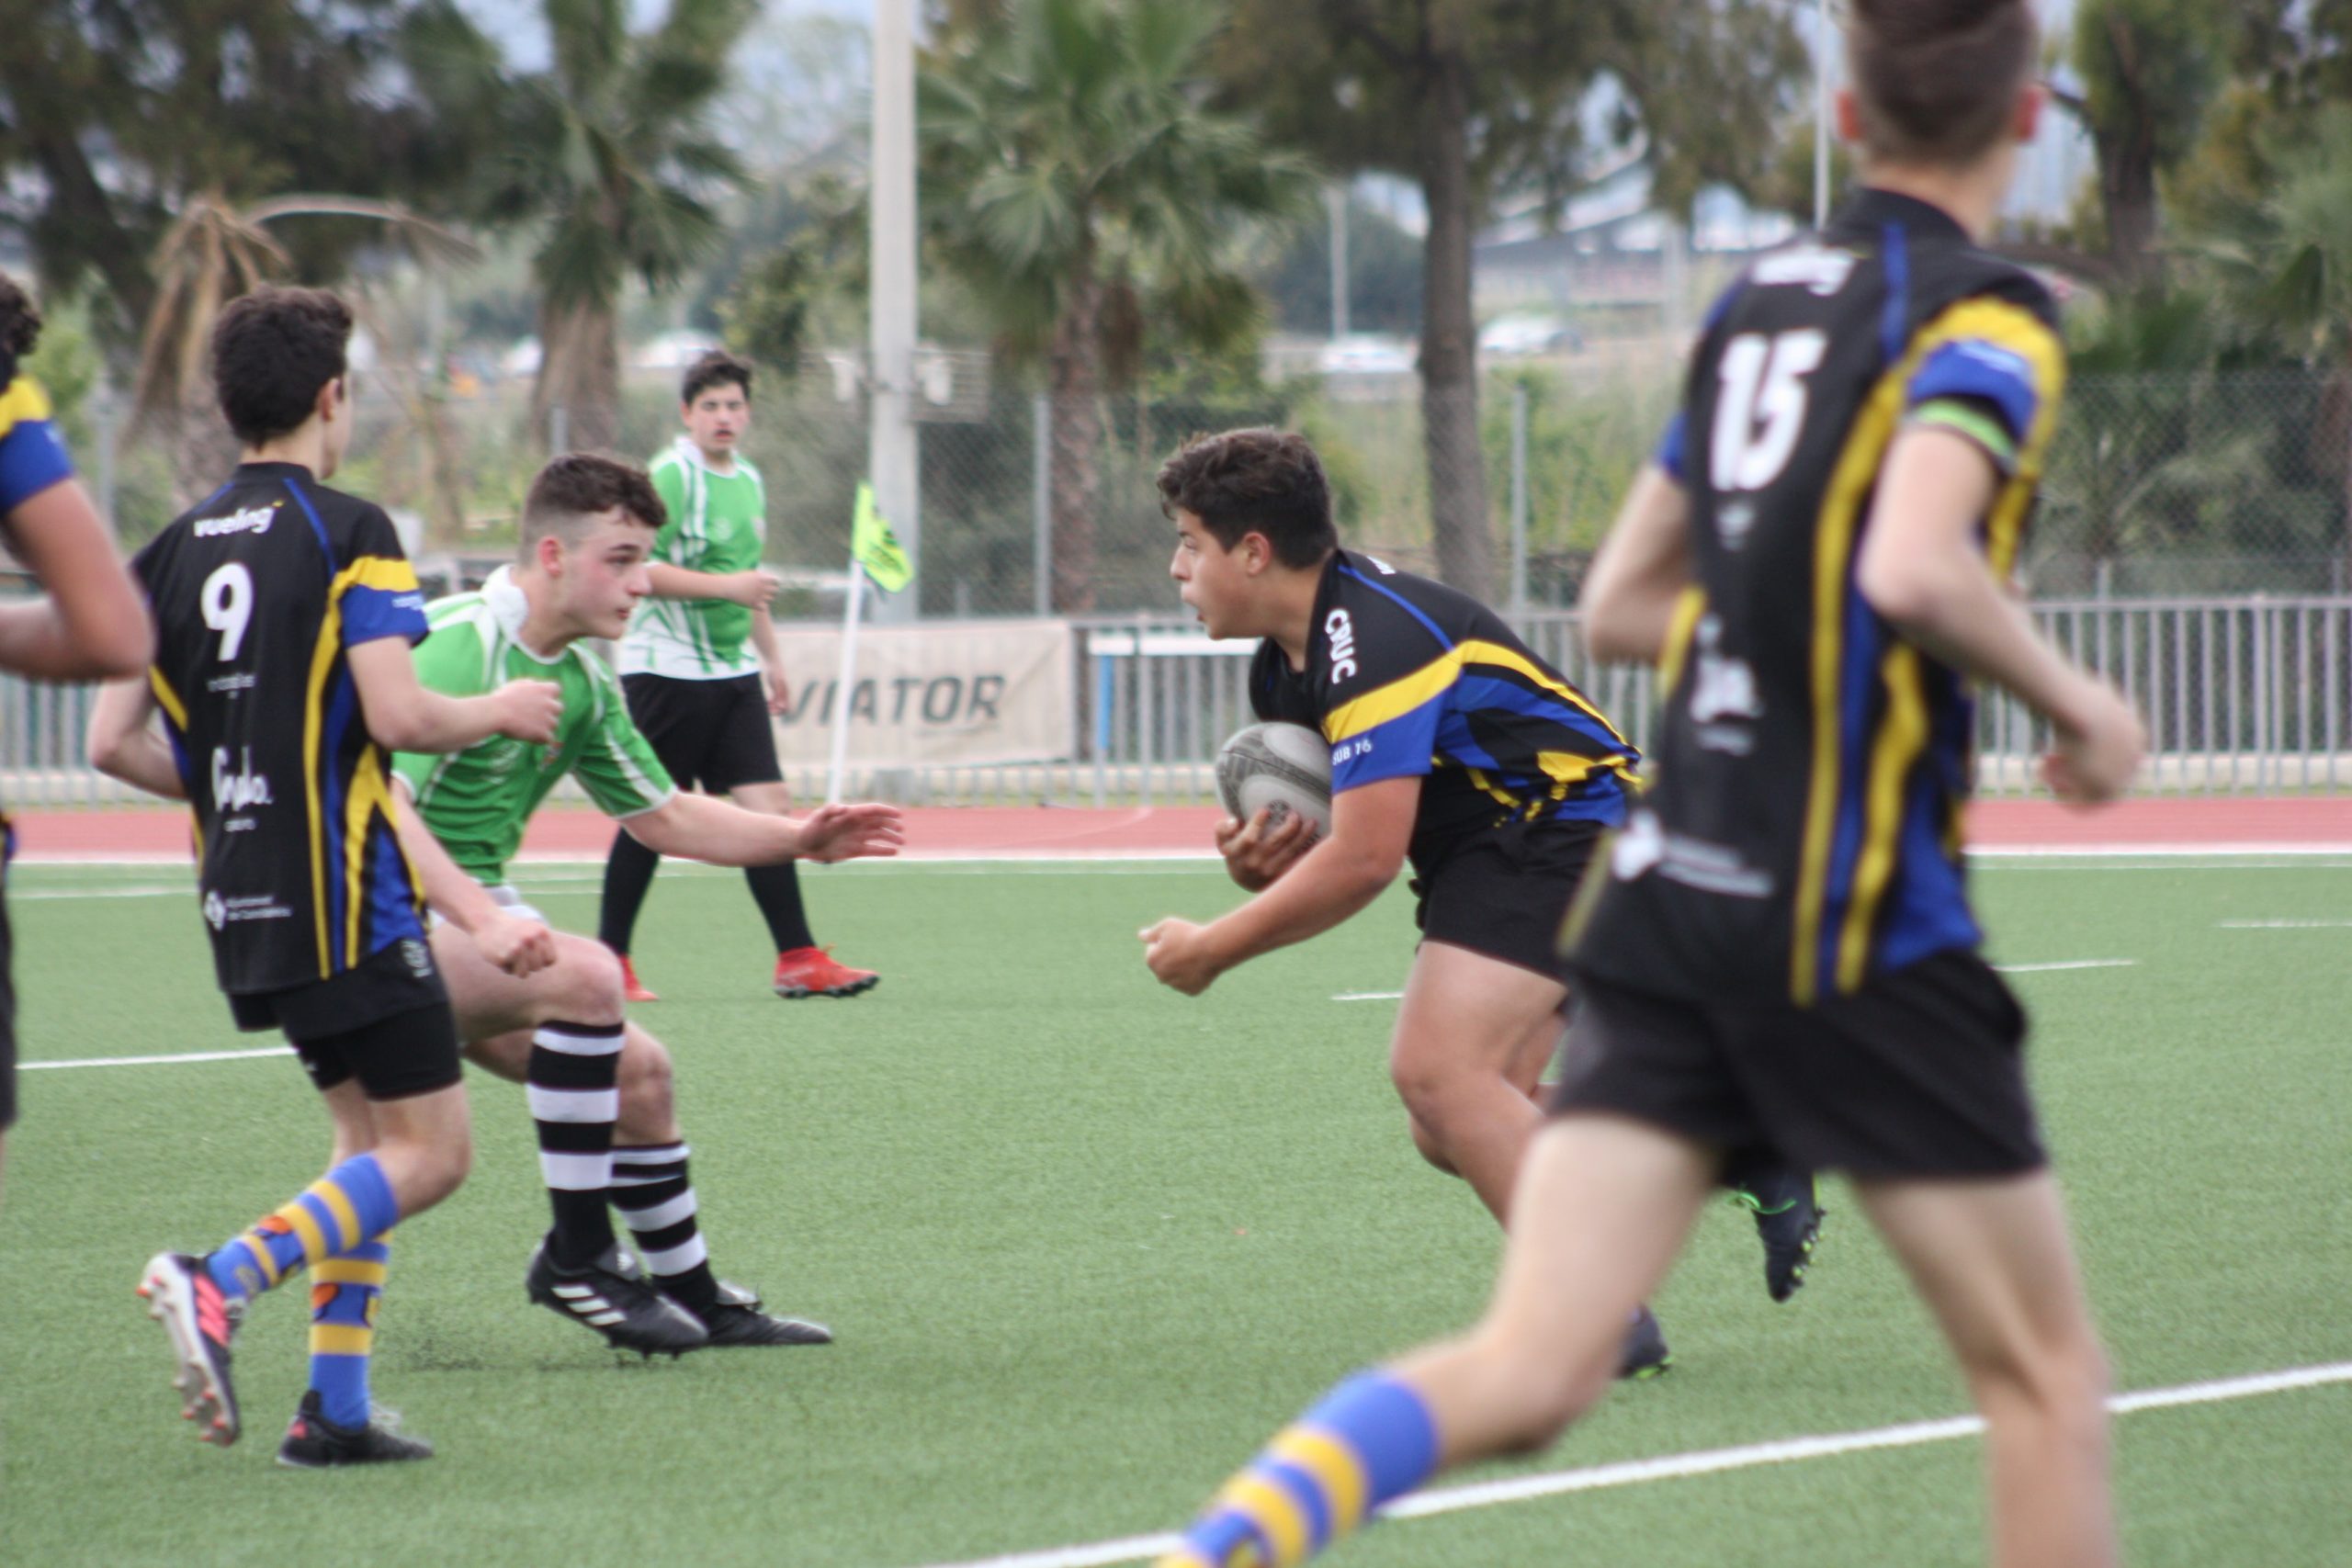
[[520, 947], [530, 710], [851, 832], [2099, 749], [1180, 955]]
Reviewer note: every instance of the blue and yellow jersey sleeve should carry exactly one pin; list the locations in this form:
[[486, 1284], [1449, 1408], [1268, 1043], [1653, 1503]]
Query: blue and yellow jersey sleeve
[[377, 589], [1985, 390], [32, 458], [1390, 732]]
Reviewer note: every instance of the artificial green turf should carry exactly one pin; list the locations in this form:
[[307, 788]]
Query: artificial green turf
[[1087, 1243]]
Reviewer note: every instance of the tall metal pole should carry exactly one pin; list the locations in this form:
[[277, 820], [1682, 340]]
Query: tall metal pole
[[892, 456], [1823, 41], [1335, 198]]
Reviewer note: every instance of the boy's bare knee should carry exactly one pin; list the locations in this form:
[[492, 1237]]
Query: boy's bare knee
[[591, 991], [1432, 1150], [645, 1081]]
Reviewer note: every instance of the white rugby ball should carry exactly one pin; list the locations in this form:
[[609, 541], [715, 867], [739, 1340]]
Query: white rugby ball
[[1285, 766]]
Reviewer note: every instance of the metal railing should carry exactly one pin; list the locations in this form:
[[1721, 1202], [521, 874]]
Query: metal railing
[[2242, 695]]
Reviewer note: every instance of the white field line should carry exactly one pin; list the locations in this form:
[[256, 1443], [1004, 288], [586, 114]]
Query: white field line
[[2069, 964], [1369, 996], [1709, 1461], [2282, 925], [165, 1061]]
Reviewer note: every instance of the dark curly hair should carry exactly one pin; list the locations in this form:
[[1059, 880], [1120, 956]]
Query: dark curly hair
[[1255, 481], [19, 327], [714, 369]]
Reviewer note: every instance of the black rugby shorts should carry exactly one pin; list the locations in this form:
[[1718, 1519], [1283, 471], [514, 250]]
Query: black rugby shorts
[[710, 735], [1504, 892], [386, 1022], [1921, 1073]]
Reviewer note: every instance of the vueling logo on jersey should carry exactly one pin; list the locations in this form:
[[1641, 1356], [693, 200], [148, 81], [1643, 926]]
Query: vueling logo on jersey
[[251, 520], [1341, 632]]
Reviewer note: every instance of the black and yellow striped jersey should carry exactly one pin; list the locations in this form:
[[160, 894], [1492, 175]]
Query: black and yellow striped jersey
[[1408, 678], [1802, 832], [258, 592]]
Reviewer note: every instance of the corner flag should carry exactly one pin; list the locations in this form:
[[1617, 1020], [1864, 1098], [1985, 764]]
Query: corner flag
[[874, 548]]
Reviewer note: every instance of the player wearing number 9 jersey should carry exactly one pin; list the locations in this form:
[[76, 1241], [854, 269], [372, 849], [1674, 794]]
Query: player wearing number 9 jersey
[[285, 613]]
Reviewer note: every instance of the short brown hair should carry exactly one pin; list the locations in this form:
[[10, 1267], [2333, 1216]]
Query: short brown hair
[[272, 350], [1935, 81], [715, 368], [581, 485], [1255, 481]]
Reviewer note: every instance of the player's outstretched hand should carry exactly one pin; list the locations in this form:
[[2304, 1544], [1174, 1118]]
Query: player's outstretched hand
[[1180, 956], [2099, 749], [851, 832], [518, 946], [1257, 852], [530, 711]]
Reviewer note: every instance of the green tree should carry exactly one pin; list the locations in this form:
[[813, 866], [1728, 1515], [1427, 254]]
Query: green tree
[[1076, 185], [1477, 98], [116, 116], [610, 152], [2149, 71]]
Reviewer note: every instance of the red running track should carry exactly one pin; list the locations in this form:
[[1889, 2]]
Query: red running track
[[2285, 825]]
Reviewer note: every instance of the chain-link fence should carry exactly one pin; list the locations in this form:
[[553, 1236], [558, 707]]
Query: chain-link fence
[[2156, 484]]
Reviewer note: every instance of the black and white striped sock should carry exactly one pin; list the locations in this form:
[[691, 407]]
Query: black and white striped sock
[[657, 1201], [573, 1079]]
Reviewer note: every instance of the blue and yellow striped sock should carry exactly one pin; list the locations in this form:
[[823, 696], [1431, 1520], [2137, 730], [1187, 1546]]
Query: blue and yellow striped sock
[[350, 1204], [1371, 1439], [344, 1290]]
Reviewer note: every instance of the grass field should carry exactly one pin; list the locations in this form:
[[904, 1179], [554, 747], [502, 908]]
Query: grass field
[[1086, 1244]]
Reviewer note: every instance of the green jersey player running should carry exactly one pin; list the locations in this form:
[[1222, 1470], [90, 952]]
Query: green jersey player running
[[599, 1086]]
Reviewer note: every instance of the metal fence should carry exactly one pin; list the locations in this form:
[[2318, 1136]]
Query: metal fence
[[2173, 484], [2248, 694]]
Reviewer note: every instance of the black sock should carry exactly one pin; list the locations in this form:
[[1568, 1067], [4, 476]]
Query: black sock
[[573, 1087], [656, 1202], [776, 889], [628, 876]]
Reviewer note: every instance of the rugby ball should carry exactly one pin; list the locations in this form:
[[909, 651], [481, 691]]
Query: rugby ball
[[1285, 766]]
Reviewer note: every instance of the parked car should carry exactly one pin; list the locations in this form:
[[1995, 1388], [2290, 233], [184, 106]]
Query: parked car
[[1367, 354], [1516, 333]]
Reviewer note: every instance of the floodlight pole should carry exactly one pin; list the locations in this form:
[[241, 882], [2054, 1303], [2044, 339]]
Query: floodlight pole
[[1823, 40], [892, 456]]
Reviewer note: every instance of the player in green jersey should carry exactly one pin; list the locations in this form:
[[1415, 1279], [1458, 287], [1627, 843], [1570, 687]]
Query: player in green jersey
[[702, 674], [599, 1087]]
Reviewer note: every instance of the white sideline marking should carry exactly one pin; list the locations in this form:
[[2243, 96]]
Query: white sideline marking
[[2069, 964], [2282, 925], [162, 1061], [1706, 1462], [1368, 996]]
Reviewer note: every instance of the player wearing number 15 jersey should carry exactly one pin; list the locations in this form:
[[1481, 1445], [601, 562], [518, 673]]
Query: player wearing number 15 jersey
[[285, 613]]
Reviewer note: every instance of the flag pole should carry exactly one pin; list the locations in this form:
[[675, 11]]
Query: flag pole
[[847, 684]]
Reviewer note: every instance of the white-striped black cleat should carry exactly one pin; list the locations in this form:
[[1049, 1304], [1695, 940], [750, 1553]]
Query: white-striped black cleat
[[608, 1297]]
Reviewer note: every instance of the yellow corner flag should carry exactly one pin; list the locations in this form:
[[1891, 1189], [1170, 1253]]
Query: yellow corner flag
[[874, 548]]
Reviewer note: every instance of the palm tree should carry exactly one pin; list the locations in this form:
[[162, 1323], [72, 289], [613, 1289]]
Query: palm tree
[[610, 150], [213, 252], [1075, 181]]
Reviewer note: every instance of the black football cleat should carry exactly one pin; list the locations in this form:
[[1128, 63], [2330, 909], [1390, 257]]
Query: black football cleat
[[729, 1324], [313, 1442], [201, 1321], [607, 1297], [1788, 1222], [1645, 1354]]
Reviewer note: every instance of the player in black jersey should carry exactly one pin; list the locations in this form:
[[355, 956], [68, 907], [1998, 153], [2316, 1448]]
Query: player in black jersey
[[91, 625], [1781, 955], [285, 613], [1453, 746]]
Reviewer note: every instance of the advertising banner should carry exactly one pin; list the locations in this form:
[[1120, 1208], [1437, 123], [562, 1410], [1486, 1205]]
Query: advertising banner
[[965, 692]]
